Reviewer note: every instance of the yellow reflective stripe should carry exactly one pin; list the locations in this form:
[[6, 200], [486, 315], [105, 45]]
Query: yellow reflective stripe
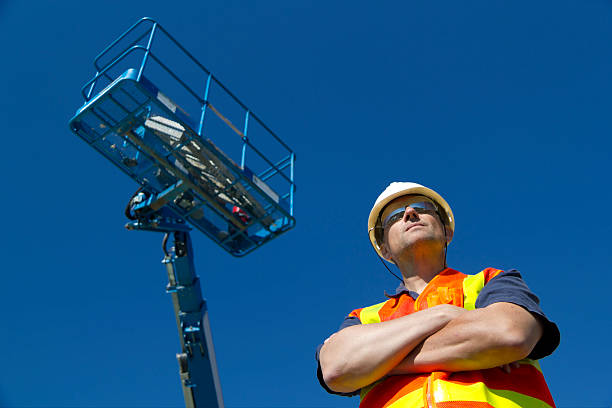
[[472, 285], [478, 392], [370, 314], [534, 363]]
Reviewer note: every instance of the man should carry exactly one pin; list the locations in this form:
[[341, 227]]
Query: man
[[445, 339]]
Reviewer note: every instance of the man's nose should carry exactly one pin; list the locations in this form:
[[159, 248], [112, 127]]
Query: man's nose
[[410, 213]]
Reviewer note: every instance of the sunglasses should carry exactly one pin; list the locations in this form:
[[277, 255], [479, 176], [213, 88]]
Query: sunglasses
[[422, 207]]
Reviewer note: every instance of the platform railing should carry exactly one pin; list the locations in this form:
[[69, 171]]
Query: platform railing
[[117, 52], [136, 49]]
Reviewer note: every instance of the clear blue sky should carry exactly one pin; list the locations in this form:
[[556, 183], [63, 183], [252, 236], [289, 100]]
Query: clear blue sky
[[503, 107]]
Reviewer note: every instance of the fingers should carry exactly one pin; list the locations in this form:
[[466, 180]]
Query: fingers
[[507, 368]]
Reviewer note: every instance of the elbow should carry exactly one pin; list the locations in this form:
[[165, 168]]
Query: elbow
[[335, 378], [520, 341], [335, 374], [336, 381]]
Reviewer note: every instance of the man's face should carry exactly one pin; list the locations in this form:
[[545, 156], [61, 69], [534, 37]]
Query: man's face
[[410, 229]]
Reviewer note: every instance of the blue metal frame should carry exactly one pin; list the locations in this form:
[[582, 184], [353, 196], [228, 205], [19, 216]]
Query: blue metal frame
[[114, 120], [197, 361], [185, 179]]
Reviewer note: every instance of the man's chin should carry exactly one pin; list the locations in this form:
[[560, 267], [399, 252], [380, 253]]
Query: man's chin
[[422, 245]]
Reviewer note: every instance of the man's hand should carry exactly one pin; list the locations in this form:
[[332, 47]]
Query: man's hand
[[494, 336], [451, 311], [359, 355], [507, 368]]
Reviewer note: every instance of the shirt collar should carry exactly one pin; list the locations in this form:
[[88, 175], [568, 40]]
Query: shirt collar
[[401, 289]]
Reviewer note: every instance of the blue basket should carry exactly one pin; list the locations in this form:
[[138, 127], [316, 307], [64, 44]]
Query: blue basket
[[227, 173]]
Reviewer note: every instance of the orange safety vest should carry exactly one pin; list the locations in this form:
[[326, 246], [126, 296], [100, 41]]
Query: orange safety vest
[[523, 387]]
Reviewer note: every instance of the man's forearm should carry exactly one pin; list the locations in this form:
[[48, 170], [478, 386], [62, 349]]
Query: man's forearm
[[484, 338], [359, 355]]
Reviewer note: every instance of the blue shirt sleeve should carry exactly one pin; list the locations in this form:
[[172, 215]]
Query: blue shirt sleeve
[[348, 321], [509, 287]]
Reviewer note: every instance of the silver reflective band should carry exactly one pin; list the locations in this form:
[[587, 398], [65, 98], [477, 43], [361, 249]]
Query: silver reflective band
[[424, 207]]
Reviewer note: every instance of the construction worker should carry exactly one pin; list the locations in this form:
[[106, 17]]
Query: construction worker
[[444, 339]]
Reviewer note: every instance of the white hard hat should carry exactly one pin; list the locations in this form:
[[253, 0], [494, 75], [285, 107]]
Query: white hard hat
[[398, 189]]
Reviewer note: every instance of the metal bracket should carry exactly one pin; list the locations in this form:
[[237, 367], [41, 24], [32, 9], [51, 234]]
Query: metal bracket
[[184, 370], [150, 213], [193, 337]]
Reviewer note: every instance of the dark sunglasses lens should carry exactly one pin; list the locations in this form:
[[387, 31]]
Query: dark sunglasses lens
[[424, 207], [395, 218]]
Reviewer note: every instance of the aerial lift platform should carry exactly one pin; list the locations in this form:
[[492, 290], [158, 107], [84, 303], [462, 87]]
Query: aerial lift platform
[[202, 160]]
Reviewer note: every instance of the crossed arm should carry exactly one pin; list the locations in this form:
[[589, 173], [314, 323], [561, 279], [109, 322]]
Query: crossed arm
[[442, 338]]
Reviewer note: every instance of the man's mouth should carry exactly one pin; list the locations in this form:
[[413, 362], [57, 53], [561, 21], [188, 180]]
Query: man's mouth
[[416, 224]]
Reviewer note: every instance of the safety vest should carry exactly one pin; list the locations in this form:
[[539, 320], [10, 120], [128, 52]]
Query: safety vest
[[523, 387]]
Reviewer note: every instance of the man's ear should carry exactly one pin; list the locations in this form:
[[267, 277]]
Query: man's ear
[[449, 234], [384, 250]]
